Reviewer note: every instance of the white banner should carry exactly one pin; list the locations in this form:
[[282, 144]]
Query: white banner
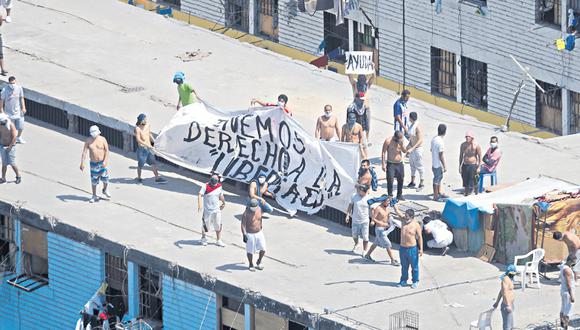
[[239, 145], [359, 63]]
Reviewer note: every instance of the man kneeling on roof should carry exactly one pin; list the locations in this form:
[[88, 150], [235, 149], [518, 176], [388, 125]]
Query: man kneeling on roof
[[442, 236]]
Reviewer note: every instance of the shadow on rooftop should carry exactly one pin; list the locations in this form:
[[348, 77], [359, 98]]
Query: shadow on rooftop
[[228, 268], [73, 198], [187, 242], [174, 184], [373, 282]]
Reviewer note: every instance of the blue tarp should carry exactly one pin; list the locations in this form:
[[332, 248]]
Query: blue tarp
[[461, 214]]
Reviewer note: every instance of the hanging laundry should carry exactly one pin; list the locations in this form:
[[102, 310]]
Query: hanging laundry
[[438, 6], [339, 11], [572, 19], [570, 41], [311, 6], [560, 44], [351, 5]]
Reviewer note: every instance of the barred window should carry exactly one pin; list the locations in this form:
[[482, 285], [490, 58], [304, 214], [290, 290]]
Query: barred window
[[116, 276], [548, 12], [549, 107], [474, 83], [443, 73], [575, 112], [7, 245], [268, 7], [150, 302], [335, 38], [237, 16]]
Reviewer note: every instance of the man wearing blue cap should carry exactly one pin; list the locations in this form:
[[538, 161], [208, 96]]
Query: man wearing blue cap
[[145, 153], [187, 94], [506, 294]]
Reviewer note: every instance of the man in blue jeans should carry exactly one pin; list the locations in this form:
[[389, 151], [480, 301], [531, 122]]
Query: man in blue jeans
[[411, 247]]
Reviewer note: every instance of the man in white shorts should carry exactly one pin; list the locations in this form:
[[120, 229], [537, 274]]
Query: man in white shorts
[[442, 236], [253, 234], [213, 202], [359, 211], [567, 290]]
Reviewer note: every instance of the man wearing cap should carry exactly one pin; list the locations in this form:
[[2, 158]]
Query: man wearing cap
[[258, 189], [8, 135], [411, 248], [469, 162], [211, 202], [327, 127], [98, 149], [567, 285], [359, 211], [282, 103], [187, 94], [12, 103], [362, 112], [400, 112], [145, 149], [253, 235], [507, 297]]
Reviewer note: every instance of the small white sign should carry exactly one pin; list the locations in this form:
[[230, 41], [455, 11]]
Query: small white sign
[[359, 63]]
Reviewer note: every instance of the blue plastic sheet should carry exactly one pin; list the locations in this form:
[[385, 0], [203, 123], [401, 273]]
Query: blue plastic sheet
[[460, 214]]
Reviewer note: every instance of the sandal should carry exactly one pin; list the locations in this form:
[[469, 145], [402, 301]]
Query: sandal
[[395, 262]]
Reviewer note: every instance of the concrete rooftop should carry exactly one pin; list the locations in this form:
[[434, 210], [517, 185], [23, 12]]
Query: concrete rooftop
[[84, 53]]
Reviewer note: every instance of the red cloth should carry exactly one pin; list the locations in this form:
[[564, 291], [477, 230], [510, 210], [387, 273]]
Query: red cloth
[[494, 156], [320, 62], [209, 188]]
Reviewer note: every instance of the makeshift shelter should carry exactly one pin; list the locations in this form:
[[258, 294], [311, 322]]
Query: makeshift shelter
[[503, 219]]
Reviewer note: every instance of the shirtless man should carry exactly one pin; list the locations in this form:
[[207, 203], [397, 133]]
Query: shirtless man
[[98, 149], [394, 149], [506, 294], [253, 234], [145, 149], [573, 243], [8, 138], [415, 150], [469, 162], [258, 189], [327, 125], [364, 173], [353, 132], [383, 227], [411, 247]]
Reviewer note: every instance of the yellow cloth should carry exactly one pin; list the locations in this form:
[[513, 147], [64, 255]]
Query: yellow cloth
[[560, 44]]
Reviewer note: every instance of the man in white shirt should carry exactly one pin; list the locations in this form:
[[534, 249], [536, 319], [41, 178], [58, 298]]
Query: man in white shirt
[[442, 237], [13, 105], [213, 202], [438, 162], [359, 211]]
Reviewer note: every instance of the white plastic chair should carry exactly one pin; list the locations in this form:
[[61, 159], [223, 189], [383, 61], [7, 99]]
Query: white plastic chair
[[529, 268], [484, 320]]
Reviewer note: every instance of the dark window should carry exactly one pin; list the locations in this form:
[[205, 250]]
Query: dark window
[[268, 18], [116, 277], [7, 246], [47, 114], [474, 83], [548, 12], [114, 137], [335, 38], [296, 326], [549, 107], [34, 251], [443, 73], [364, 39], [232, 314], [150, 302], [575, 112], [481, 3], [237, 14], [233, 305], [575, 4]]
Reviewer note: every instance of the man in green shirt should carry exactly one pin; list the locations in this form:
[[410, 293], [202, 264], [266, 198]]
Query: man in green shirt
[[187, 94]]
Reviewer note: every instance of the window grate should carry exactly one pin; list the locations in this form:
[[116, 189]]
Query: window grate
[[443, 73], [549, 107], [47, 114], [237, 16], [7, 245], [474, 83], [548, 12], [335, 38], [575, 112], [150, 303], [268, 7], [114, 137]]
